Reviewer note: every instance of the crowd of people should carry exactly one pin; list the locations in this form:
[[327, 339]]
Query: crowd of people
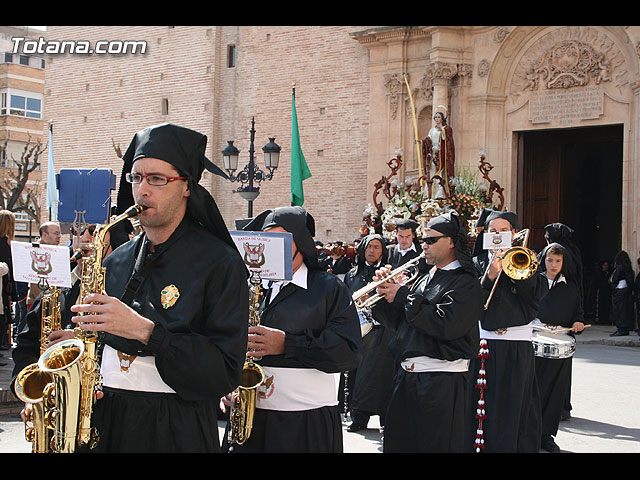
[[447, 360]]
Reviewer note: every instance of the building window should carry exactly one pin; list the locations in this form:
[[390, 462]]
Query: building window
[[165, 106], [24, 60], [231, 56], [21, 105], [8, 57]]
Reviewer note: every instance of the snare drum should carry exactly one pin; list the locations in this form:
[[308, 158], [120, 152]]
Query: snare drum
[[553, 345], [366, 324]]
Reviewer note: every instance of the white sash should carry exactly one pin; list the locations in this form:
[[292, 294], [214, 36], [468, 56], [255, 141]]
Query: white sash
[[428, 364], [295, 389], [139, 374], [522, 333]]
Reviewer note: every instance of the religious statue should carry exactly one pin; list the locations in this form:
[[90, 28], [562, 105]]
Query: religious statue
[[439, 152]]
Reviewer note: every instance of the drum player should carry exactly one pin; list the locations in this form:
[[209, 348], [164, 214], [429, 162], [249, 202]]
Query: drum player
[[560, 309]]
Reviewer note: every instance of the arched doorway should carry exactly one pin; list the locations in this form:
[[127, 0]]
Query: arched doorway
[[574, 176]]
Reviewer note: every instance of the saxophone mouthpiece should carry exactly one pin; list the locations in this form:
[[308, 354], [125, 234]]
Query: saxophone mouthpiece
[[77, 255], [135, 210]]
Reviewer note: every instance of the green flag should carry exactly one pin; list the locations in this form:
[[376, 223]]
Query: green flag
[[299, 169]]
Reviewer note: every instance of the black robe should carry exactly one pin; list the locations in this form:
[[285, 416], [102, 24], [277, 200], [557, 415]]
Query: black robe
[[323, 333], [371, 383], [199, 343], [512, 402], [436, 320], [622, 299], [562, 307]]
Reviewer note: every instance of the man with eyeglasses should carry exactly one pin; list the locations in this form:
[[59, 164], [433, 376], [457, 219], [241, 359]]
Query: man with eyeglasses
[[174, 317], [436, 336], [505, 414]]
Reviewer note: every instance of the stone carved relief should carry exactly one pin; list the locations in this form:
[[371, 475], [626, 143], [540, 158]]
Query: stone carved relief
[[500, 34], [393, 82], [570, 63], [483, 67], [569, 57]]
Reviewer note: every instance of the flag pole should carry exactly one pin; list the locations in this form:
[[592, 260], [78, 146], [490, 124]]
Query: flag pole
[[50, 138], [293, 96]]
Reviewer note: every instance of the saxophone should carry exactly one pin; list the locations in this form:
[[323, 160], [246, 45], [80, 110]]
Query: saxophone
[[31, 382], [243, 399], [73, 364]]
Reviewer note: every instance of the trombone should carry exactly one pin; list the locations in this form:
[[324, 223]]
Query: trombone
[[402, 274], [518, 262]]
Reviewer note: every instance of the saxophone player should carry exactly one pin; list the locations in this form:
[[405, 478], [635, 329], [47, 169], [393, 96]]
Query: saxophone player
[[29, 341], [309, 333], [173, 316]]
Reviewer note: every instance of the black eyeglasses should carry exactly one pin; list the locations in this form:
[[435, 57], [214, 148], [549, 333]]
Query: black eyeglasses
[[153, 180], [432, 240], [91, 228]]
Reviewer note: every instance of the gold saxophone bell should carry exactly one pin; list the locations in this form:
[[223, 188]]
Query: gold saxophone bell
[[243, 399], [62, 361], [518, 262], [30, 387], [243, 403]]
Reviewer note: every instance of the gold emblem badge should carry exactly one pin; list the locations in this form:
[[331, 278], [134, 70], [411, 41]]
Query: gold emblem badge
[[169, 296], [125, 361]]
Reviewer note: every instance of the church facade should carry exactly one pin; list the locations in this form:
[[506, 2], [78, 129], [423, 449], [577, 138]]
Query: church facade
[[553, 109]]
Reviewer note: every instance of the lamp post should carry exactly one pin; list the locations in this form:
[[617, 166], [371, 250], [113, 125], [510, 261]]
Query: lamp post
[[251, 173]]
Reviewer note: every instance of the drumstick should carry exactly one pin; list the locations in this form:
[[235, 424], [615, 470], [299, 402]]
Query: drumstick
[[556, 331]]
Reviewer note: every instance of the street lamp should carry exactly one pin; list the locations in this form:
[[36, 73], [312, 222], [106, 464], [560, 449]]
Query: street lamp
[[251, 173]]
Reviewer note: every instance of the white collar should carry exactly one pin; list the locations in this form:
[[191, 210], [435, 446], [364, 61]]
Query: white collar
[[450, 266], [558, 279], [412, 247], [299, 278]]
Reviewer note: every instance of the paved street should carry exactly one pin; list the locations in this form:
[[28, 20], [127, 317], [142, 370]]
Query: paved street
[[605, 417]]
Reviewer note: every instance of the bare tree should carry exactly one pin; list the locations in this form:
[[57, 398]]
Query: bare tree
[[16, 194]]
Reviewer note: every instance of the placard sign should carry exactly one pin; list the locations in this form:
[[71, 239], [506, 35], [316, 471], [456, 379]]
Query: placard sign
[[268, 253], [496, 240], [33, 263]]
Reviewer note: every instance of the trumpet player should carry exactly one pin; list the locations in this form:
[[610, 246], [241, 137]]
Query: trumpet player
[[504, 414], [370, 390], [436, 336], [174, 312], [308, 334]]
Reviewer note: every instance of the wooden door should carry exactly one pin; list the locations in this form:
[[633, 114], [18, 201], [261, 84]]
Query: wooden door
[[541, 176]]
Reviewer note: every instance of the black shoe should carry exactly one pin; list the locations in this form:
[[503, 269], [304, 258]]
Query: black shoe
[[355, 427], [548, 445], [565, 415], [618, 333]]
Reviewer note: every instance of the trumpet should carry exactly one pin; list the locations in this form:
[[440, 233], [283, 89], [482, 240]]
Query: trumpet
[[404, 274], [518, 262]]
